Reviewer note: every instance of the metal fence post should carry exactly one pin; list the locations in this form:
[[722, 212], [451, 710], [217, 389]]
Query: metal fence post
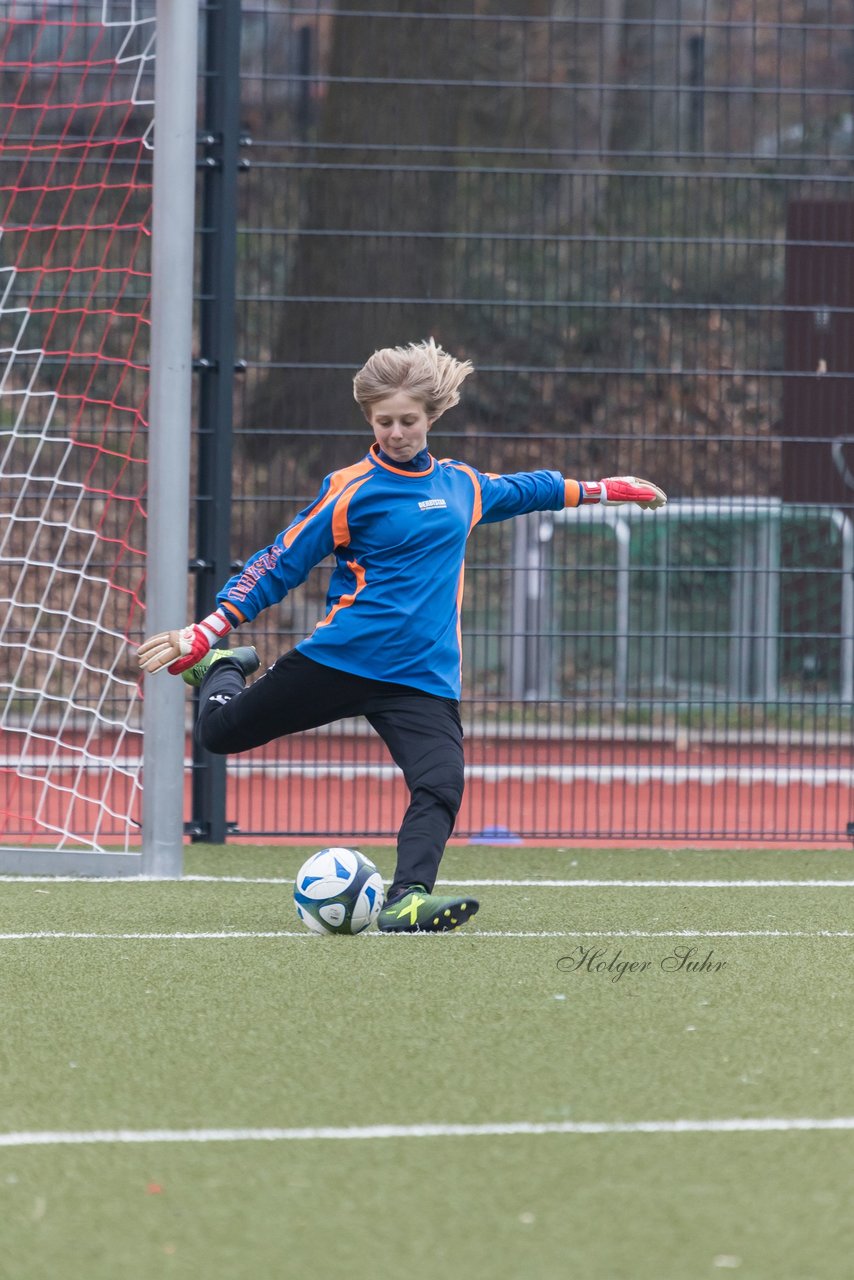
[[531, 656], [221, 139]]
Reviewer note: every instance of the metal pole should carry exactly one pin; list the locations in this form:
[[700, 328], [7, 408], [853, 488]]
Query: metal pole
[[222, 141], [169, 433], [623, 534], [741, 604], [545, 684], [517, 663], [846, 622], [662, 610], [697, 81], [769, 688]]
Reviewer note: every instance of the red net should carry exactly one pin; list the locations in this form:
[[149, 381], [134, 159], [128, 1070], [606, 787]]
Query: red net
[[75, 213]]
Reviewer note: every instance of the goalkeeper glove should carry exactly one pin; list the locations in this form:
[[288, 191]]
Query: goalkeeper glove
[[180, 650], [620, 489]]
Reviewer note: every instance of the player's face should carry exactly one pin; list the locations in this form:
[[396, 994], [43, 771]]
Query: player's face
[[400, 426]]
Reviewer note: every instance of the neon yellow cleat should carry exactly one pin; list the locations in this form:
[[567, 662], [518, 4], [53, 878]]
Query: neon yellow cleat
[[245, 657], [421, 912]]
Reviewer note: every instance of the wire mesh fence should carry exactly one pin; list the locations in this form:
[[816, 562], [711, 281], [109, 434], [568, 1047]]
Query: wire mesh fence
[[638, 223]]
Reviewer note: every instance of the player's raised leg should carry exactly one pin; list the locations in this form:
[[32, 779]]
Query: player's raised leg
[[294, 694]]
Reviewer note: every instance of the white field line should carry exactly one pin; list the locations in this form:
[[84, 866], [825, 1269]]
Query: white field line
[[455, 884], [56, 935], [649, 884], [361, 1133]]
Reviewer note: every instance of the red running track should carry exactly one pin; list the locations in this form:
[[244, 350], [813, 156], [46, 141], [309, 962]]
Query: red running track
[[343, 786]]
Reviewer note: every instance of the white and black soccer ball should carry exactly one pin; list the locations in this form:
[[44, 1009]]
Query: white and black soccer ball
[[338, 891]]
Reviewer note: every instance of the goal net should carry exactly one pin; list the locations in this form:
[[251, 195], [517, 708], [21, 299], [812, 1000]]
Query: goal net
[[76, 105]]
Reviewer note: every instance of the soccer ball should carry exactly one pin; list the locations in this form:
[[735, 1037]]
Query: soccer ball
[[338, 891]]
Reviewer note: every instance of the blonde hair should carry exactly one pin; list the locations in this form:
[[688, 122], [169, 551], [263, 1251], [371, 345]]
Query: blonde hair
[[421, 369]]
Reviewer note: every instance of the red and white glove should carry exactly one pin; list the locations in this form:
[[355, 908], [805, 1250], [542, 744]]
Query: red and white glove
[[620, 489], [180, 650]]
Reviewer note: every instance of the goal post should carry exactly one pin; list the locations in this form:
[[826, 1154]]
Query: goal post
[[169, 432], [96, 263]]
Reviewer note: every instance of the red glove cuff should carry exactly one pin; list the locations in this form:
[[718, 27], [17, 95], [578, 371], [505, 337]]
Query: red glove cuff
[[591, 491], [199, 646], [200, 636]]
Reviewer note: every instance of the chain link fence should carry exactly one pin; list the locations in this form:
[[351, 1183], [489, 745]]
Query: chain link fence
[[638, 223]]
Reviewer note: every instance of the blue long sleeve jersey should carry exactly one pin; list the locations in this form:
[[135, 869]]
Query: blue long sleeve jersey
[[399, 539]]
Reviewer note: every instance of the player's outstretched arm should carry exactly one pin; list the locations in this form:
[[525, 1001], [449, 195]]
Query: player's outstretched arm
[[616, 490], [180, 650]]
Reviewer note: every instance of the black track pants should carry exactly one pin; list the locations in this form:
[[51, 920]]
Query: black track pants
[[423, 734]]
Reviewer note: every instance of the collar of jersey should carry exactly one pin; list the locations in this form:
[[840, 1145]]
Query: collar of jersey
[[398, 471]]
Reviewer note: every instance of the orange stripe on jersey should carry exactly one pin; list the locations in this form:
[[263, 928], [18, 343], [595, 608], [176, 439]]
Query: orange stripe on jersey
[[460, 589], [340, 527], [340, 480], [571, 493], [358, 572], [477, 510], [232, 608]]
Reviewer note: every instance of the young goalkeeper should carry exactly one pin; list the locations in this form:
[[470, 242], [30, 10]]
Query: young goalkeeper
[[388, 648]]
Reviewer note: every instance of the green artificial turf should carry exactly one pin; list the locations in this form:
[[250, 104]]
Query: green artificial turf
[[477, 1028]]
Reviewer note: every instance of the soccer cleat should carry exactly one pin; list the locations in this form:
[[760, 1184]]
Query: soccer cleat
[[421, 912], [245, 657]]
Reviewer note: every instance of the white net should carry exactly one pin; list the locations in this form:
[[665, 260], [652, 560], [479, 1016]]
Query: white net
[[76, 102]]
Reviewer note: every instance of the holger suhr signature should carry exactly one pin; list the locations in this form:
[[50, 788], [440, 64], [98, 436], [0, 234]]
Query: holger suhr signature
[[612, 964]]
